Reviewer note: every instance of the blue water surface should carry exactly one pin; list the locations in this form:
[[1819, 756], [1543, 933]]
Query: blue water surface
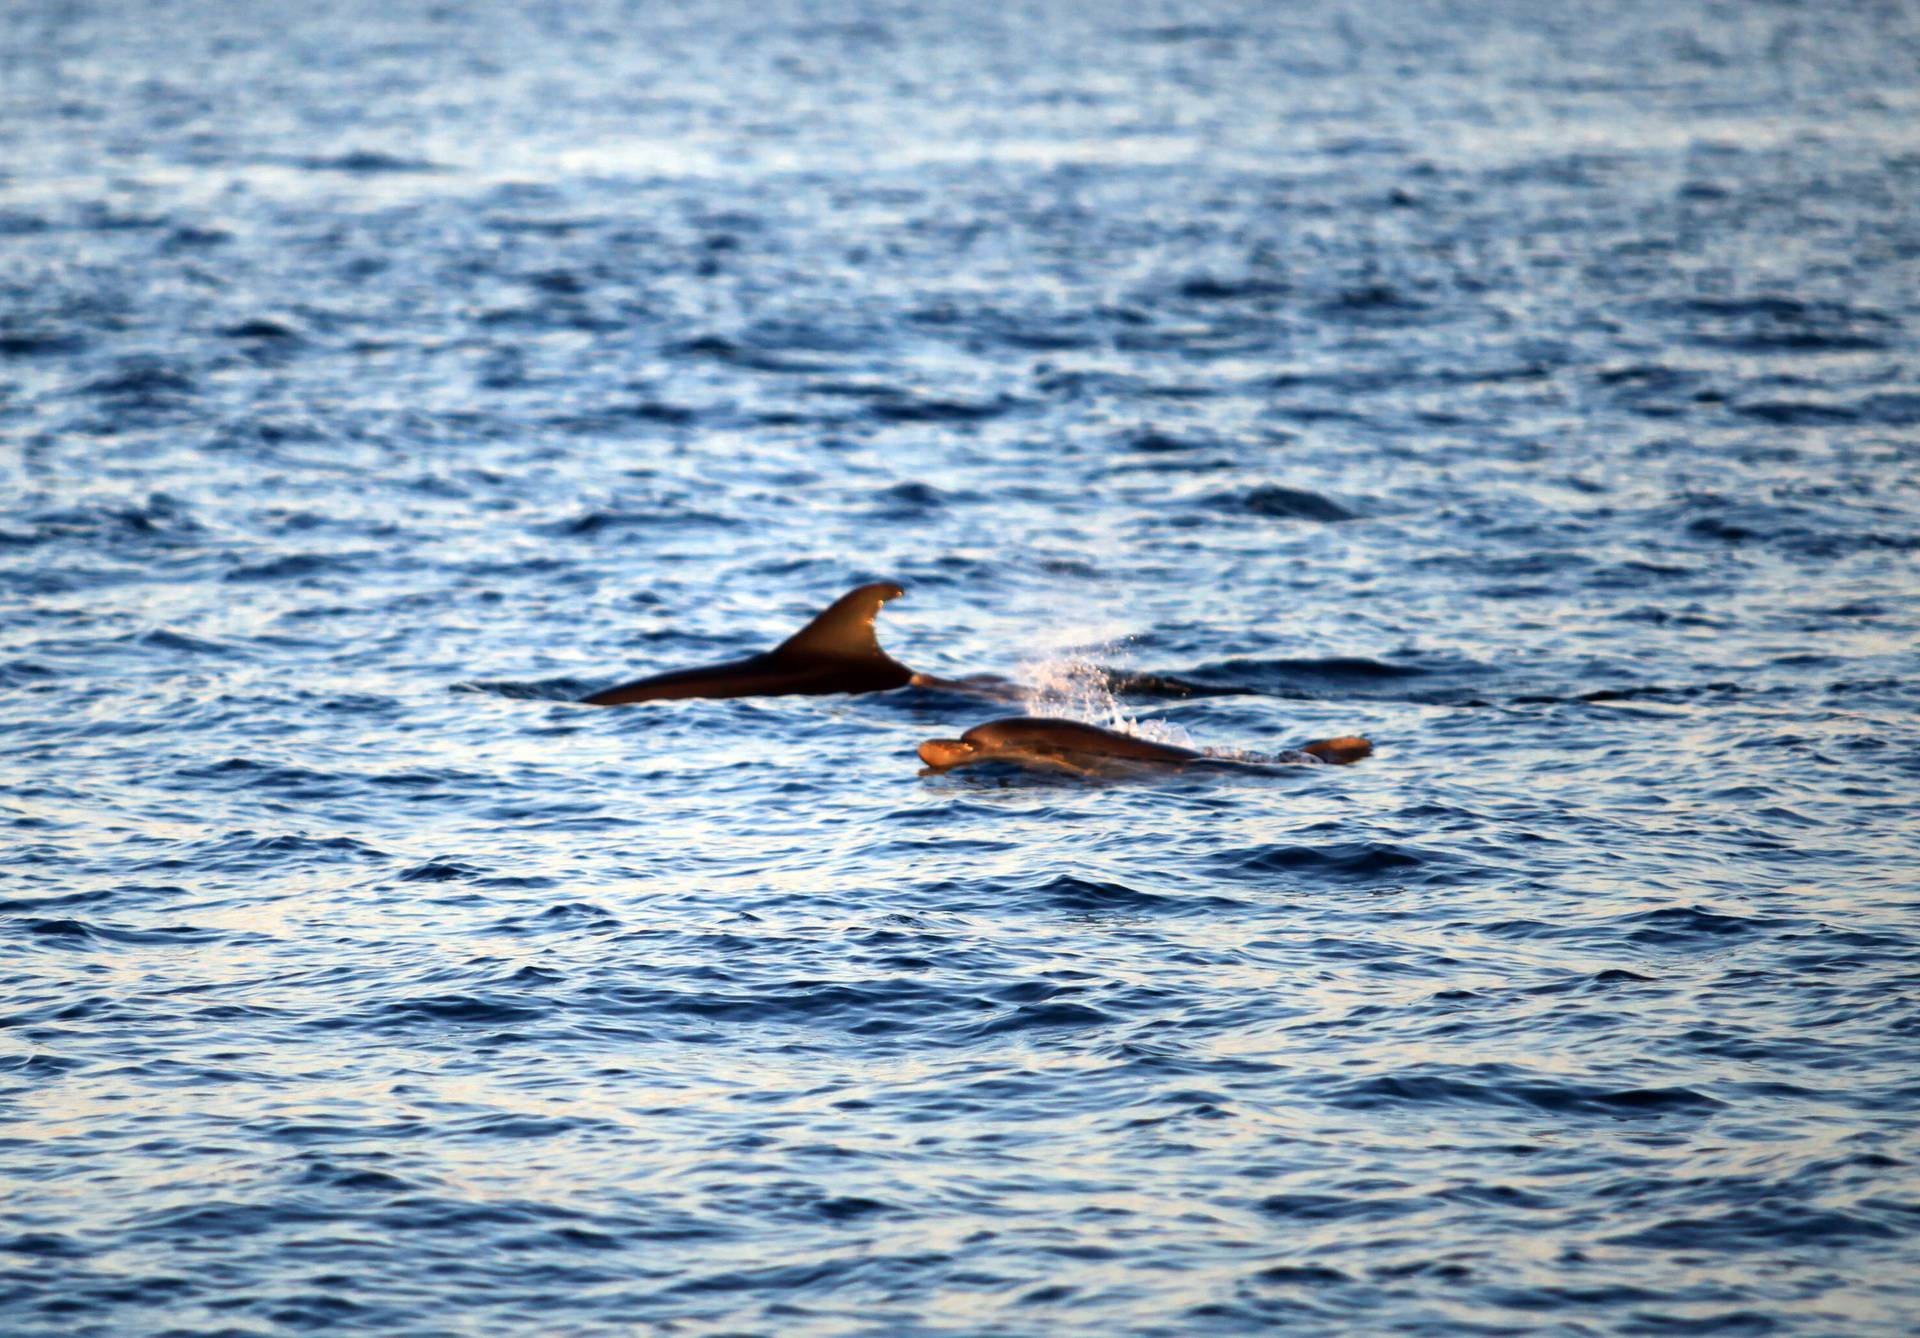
[[1532, 388]]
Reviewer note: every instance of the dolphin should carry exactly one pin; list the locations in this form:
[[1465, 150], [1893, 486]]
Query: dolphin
[[836, 652], [1070, 745]]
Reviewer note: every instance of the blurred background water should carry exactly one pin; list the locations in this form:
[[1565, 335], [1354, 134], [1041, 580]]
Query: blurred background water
[[1531, 388]]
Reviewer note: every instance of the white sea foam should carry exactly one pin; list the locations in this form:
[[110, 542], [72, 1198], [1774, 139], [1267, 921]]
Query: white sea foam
[[1072, 685]]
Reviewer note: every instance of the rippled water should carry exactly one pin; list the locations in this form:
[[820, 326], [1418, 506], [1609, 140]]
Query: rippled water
[[1533, 392]]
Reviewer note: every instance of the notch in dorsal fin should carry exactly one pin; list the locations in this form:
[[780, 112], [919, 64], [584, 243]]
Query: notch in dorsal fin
[[844, 629]]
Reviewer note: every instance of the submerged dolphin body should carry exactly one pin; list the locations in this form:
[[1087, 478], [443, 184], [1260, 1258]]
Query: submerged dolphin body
[[836, 652], [1069, 745]]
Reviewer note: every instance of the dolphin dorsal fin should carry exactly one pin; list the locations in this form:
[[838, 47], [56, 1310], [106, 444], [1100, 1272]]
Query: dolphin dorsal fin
[[844, 629]]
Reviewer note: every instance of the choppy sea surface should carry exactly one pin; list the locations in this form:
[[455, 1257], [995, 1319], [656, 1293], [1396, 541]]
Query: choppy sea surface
[[1531, 388]]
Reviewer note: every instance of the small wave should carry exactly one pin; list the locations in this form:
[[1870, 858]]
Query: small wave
[[41, 343], [856, 390], [1296, 1275], [1087, 897], [640, 411], [75, 929], [908, 501], [245, 851], [461, 1008], [188, 237], [1761, 1227], [1797, 413], [1173, 33], [1042, 1017], [43, 1245], [559, 282], [1347, 859], [565, 916], [1689, 926], [1079, 383], [101, 216], [261, 328], [752, 357], [591, 524], [146, 383], [848, 1207], [538, 227], [1132, 683], [158, 521], [869, 1005], [1282, 503], [1781, 324], [1808, 530], [366, 162], [20, 673], [357, 1179], [224, 1220], [439, 871], [71, 931], [1502, 1085], [1337, 1207], [265, 434], [1153, 442], [40, 1067], [1652, 691], [243, 773], [20, 905], [424, 780], [905, 409], [1648, 376], [1373, 302], [165, 638], [1207, 288], [1899, 409], [1039, 335], [293, 566], [1340, 676], [548, 689]]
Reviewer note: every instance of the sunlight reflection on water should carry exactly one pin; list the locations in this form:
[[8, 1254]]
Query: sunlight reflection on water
[[1532, 398]]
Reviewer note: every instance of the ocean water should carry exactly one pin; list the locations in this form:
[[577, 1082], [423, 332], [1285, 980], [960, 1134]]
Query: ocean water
[[1532, 389]]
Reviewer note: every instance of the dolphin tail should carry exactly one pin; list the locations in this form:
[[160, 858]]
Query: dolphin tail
[[844, 629], [1338, 752]]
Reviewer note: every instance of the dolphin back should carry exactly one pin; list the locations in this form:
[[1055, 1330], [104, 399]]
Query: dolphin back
[[1040, 734], [836, 652]]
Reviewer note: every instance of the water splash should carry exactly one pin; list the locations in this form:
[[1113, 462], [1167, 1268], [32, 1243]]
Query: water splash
[[1074, 685]]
